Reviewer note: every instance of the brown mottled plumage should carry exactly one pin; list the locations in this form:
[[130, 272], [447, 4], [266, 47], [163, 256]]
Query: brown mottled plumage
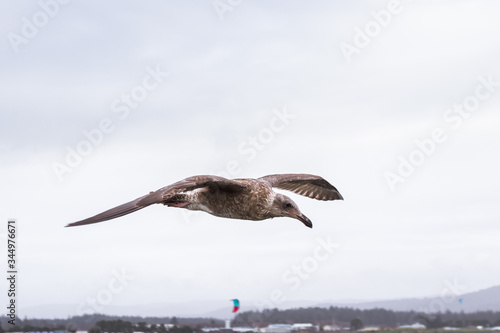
[[245, 199]]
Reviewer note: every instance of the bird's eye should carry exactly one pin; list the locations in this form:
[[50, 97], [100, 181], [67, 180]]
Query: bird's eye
[[287, 205]]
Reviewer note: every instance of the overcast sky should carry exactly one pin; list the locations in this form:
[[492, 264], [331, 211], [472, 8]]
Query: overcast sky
[[395, 103]]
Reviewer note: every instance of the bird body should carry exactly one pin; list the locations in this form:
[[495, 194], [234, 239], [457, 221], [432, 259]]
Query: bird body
[[251, 203], [245, 199]]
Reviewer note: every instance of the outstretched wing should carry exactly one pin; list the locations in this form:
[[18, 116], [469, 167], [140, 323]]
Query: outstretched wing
[[189, 184], [162, 195], [112, 213], [308, 185]]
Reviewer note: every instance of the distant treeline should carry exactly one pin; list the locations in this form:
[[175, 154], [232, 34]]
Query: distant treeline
[[317, 316], [378, 317], [88, 321]]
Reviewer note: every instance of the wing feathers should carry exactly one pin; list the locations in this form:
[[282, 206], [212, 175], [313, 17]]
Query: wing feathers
[[112, 213], [162, 195], [311, 186]]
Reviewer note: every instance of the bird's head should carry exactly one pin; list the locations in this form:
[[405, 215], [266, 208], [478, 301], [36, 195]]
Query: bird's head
[[283, 206]]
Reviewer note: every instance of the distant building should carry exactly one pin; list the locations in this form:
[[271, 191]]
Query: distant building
[[370, 329], [415, 326], [277, 328], [244, 329], [332, 327], [216, 329], [286, 328], [303, 327], [232, 329]]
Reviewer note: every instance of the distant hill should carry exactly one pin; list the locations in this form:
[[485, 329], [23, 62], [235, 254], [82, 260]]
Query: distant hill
[[483, 300]]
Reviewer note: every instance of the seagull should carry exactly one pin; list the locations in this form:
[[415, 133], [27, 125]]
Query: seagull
[[245, 199]]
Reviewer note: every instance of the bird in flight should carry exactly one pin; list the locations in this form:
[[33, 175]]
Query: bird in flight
[[245, 199]]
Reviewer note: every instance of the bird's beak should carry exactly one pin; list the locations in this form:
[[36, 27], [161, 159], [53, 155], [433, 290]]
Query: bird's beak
[[304, 219]]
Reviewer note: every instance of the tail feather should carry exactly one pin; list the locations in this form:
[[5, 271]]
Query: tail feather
[[112, 213]]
